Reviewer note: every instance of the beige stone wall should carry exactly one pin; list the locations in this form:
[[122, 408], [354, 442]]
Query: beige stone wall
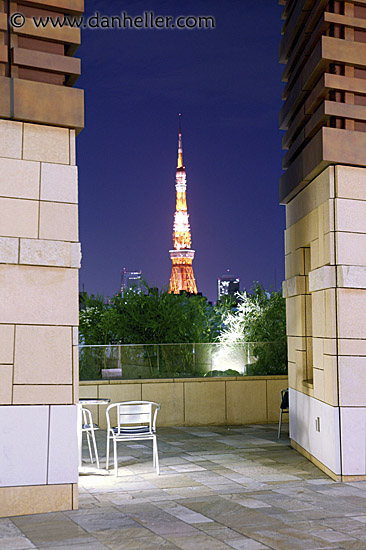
[[196, 401], [39, 261], [325, 288]]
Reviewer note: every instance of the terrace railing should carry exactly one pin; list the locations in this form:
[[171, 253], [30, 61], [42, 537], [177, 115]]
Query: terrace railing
[[146, 361]]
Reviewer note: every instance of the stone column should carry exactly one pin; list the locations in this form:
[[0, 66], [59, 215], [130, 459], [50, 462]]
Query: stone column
[[324, 190], [40, 114]]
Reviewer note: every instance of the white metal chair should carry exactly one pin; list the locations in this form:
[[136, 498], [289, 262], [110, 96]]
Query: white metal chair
[[88, 428], [284, 408], [136, 420]]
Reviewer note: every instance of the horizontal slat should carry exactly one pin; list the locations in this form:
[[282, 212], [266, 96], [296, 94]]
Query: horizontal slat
[[305, 46], [66, 35], [293, 25], [134, 418], [67, 6], [134, 409], [3, 54], [328, 146], [3, 22], [47, 61], [48, 104]]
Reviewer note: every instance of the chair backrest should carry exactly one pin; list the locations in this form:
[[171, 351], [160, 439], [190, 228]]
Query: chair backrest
[[134, 413], [284, 400], [86, 418]]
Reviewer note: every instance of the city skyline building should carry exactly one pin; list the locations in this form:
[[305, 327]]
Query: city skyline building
[[182, 277], [131, 280], [227, 285]]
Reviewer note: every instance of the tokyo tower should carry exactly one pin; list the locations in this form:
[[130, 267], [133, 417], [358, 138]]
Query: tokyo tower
[[182, 255]]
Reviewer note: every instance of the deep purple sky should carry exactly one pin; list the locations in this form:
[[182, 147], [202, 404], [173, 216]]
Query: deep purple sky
[[227, 84]]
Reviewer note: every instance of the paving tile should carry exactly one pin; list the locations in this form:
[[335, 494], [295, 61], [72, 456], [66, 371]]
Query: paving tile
[[236, 487]]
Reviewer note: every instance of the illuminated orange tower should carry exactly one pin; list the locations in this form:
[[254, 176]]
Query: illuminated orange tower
[[182, 255]]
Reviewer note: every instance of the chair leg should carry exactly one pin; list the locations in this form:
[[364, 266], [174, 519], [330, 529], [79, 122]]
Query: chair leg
[[115, 458], [95, 448], [156, 455], [279, 425], [107, 453], [89, 447]]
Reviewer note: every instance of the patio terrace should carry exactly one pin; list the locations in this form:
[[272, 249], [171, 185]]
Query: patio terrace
[[219, 488]]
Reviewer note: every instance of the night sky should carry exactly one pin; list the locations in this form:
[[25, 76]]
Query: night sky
[[226, 83]]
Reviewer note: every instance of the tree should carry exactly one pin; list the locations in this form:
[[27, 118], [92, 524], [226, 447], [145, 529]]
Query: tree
[[260, 317]]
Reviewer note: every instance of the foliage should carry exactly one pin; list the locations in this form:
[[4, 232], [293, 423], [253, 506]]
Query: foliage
[[260, 317], [152, 317]]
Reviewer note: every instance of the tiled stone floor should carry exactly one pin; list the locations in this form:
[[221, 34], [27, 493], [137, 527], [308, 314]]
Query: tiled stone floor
[[237, 488]]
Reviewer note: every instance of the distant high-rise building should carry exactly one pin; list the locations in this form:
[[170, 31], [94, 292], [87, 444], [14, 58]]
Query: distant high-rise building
[[227, 285], [131, 280]]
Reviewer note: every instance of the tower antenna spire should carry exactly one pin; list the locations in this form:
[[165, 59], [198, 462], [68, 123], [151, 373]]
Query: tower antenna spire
[[180, 148]]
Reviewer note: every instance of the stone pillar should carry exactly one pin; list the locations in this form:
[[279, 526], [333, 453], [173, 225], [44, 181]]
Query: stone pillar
[[40, 115], [324, 190]]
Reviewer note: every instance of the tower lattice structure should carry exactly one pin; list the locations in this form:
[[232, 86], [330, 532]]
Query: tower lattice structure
[[182, 277]]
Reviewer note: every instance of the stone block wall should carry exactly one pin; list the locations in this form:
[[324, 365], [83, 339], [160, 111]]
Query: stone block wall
[[39, 262], [325, 289]]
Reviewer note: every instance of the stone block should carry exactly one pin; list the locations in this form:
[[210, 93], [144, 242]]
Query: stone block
[[9, 250], [295, 308], [11, 139], [170, 396], [350, 276], [318, 313], [6, 344], [43, 355], [46, 144], [59, 183], [314, 194], [352, 347], [318, 383], [40, 295], [58, 221], [326, 249], [351, 313], [318, 353], [330, 313], [353, 436], [45, 253], [322, 278], [330, 380], [295, 286], [18, 218], [6, 386], [19, 179], [352, 381], [351, 248], [42, 395], [314, 254], [350, 215], [63, 445], [75, 373], [204, 403], [246, 402], [72, 147], [24, 464], [350, 182], [75, 250], [34, 499]]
